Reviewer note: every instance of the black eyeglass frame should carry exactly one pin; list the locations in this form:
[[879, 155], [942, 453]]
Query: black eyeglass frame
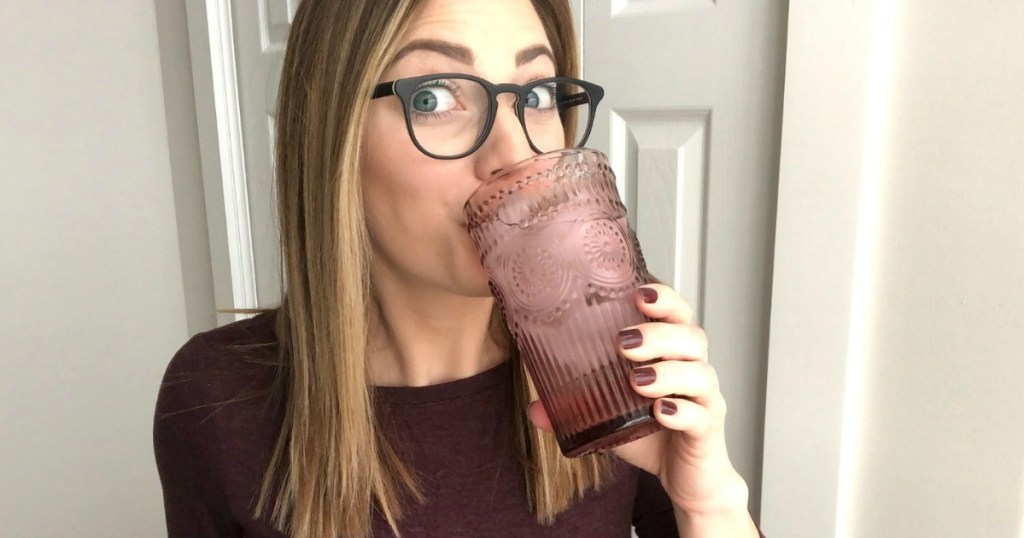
[[404, 88]]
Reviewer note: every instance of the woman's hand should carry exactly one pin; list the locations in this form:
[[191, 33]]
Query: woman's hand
[[689, 456]]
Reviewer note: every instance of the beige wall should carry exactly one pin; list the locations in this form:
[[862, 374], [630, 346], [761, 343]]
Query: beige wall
[[897, 352], [942, 446], [91, 279], [186, 166]]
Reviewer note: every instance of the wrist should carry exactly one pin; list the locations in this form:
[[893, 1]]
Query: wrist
[[730, 495], [724, 515]]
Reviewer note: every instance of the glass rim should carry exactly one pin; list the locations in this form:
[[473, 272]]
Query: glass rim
[[494, 187]]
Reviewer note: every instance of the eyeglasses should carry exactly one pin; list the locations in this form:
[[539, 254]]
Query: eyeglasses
[[449, 115]]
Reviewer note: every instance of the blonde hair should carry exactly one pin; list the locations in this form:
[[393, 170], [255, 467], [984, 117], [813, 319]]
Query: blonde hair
[[331, 465]]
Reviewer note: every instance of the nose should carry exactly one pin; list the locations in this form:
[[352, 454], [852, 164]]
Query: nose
[[505, 145]]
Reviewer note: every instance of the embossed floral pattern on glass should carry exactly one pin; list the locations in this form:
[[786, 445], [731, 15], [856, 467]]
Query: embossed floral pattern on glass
[[564, 266]]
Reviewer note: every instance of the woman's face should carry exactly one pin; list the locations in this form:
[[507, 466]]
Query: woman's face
[[413, 202]]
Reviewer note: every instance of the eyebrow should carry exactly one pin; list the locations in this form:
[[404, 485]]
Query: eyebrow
[[464, 55], [447, 48], [530, 54]]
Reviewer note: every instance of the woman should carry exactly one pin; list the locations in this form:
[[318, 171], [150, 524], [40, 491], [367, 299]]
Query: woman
[[383, 396]]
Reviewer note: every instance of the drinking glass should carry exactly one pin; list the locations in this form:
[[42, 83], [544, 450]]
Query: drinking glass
[[564, 267]]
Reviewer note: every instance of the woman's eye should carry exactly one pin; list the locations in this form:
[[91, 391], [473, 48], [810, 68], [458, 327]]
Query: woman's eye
[[542, 97], [433, 99]]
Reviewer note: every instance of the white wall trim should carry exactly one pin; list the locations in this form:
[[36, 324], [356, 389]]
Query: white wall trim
[[832, 142], [232, 154], [626, 8], [876, 126], [222, 149], [579, 15]]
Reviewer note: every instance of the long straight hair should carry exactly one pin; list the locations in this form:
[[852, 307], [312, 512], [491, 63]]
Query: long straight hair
[[331, 467]]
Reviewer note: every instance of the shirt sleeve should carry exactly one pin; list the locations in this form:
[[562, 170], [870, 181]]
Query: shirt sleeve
[[186, 450], [653, 516]]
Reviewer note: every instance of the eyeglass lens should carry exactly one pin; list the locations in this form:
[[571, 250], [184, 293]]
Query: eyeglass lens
[[448, 115]]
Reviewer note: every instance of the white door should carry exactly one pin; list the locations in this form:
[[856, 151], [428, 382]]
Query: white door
[[260, 34], [237, 49], [691, 122]]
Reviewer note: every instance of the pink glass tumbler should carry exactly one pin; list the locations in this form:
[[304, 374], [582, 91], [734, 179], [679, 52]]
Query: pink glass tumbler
[[564, 267]]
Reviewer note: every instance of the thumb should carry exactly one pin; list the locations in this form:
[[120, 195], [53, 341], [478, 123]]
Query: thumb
[[539, 416]]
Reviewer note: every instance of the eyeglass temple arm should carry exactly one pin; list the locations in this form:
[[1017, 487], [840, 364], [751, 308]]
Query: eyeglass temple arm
[[574, 99], [383, 90]]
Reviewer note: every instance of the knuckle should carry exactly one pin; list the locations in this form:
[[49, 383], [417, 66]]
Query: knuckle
[[676, 369], [712, 375], [686, 310], [706, 372], [718, 408], [699, 419], [700, 335]]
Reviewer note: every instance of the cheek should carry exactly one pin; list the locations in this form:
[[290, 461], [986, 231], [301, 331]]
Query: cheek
[[413, 207], [386, 148], [399, 181], [410, 207], [388, 159]]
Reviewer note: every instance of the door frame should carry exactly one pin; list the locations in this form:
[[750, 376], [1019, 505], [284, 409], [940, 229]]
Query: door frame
[[222, 151]]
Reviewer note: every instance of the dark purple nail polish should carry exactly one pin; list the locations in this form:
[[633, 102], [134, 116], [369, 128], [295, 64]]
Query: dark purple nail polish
[[668, 407], [650, 295], [644, 376], [631, 338]]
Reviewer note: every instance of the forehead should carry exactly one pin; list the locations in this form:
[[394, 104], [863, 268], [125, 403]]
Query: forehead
[[494, 30]]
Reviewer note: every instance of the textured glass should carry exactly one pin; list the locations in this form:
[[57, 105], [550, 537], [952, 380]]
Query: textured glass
[[564, 267]]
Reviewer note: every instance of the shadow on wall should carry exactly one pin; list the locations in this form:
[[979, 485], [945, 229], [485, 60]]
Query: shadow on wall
[[186, 166]]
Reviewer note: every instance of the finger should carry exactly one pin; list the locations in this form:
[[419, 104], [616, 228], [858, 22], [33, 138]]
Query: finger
[[661, 302], [539, 416], [671, 341], [680, 414], [695, 380]]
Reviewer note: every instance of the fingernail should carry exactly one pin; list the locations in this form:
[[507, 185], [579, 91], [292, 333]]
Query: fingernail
[[650, 295], [631, 338], [644, 376], [668, 407]]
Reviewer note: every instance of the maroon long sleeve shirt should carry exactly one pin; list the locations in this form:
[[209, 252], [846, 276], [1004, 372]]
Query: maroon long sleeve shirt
[[456, 436]]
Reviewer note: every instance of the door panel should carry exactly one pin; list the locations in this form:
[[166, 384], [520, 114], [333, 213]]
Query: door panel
[[691, 123], [260, 34]]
